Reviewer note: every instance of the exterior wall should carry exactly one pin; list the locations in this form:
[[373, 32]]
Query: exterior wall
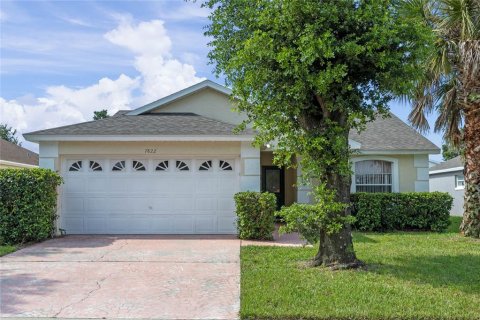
[[445, 182], [266, 159], [208, 103]]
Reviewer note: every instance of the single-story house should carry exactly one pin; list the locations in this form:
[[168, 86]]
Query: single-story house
[[448, 177], [14, 156], [173, 166]]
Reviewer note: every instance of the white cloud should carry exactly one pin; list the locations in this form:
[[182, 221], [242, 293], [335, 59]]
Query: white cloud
[[159, 74]]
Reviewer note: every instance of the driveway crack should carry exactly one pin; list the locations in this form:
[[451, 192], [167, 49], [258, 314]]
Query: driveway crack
[[88, 294]]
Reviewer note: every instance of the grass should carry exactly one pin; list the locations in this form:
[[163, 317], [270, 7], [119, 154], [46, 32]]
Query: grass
[[6, 250], [410, 275]]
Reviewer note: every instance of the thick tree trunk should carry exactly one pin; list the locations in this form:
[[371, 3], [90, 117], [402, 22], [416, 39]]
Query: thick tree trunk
[[336, 250], [471, 215]]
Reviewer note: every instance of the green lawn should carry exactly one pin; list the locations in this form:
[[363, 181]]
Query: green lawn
[[6, 250], [410, 275]]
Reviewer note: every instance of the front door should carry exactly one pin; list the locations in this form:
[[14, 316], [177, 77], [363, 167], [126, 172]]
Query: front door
[[273, 181]]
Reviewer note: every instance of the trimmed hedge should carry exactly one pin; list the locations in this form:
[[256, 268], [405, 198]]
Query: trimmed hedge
[[256, 215], [401, 211], [28, 199]]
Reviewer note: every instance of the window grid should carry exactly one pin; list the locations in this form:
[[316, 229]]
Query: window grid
[[373, 176]]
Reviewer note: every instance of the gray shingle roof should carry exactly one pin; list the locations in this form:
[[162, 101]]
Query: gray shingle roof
[[164, 124], [391, 134], [449, 164]]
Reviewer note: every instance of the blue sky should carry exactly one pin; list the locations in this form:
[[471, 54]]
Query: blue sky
[[60, 60]]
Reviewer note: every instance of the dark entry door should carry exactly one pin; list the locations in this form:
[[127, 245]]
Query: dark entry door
[[273, 181]]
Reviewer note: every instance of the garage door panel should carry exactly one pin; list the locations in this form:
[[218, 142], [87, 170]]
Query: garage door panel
[[73, 225], [73, 204], [75, 185], [202, 204], [183, 224], [98, 184], [130, 224], [206, 185], [225, 204], [226, 224], [95, 225], [225, 186], [205, 224], [149, 202]]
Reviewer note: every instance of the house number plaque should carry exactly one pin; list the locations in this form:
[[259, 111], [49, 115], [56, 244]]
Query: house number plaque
[[150, 151]]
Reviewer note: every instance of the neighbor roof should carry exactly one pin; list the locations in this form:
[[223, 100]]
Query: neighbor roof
[[158, 124], [13, 153], [455, 164], [392, 134]]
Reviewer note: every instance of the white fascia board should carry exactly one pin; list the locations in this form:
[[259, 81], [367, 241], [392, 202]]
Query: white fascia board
[[446, 170], [390, 152], [38, 138], [17, 164], [182, 93]]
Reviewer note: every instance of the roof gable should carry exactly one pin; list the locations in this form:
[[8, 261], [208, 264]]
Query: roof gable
[[181, 94]]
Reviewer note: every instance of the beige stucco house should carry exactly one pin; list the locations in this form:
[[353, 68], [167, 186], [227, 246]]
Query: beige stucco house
[[173, 166]]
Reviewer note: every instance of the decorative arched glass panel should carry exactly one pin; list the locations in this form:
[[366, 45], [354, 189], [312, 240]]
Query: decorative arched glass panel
[[181, 166], [76, 166], [373, 176], [206, 166], [138, 166], [95, 166], [225, 166], [162, 166], [119, 166]]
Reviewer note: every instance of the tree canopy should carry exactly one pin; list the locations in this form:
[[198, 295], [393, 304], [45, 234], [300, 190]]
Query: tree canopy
[[9, 134], [305, 73], [101, 114]]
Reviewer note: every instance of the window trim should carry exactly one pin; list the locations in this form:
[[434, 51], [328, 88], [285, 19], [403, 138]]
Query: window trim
[[395, 175], [457, 187]]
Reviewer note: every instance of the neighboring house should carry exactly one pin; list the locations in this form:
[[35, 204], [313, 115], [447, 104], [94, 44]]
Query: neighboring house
[[448, 177], [13, 156], [432, 163], [173, 166]]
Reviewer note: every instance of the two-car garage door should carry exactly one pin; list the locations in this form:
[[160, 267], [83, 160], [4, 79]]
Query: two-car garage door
[[170, 195]]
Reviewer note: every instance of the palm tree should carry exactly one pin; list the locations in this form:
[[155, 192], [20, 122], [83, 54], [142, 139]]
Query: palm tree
[[451, 86]]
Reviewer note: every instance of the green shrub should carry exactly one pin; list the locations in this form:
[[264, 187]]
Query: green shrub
[[256, 215], [28, 199], [402, 211]]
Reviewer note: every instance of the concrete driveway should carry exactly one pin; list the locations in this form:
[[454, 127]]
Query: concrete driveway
[[147, 277]]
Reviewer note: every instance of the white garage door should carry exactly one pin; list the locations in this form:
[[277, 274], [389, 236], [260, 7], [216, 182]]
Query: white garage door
[[149, 196]]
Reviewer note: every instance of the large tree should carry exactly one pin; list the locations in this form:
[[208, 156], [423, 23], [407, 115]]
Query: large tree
[[451, 86], [306, 73]]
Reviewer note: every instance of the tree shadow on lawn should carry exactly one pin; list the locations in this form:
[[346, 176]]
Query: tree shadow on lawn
[[461, 272]]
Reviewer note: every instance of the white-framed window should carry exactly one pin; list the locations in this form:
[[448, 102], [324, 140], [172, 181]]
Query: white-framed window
[[459, 181], [138, 165], [373, 176], [119, 166], [75, 165], [206, 165], [225, 165], [162, 166], [182, 165], [94, 166]]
